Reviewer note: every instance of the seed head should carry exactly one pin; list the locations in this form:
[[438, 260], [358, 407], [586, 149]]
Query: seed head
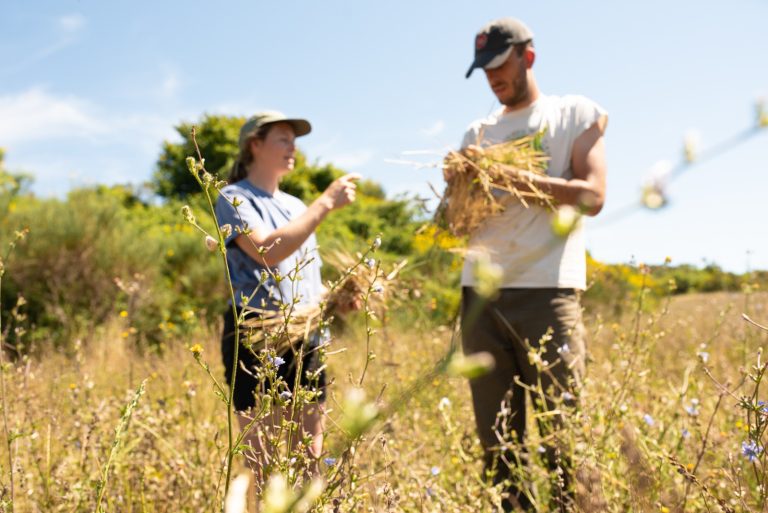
[[359, 414], [186, 211], [471, 366], [762, 113], [488, 276], [653, 197], [192, 165], [691, 147], [565, 220]]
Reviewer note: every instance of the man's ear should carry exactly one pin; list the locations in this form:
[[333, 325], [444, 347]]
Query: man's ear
[[530, 57]]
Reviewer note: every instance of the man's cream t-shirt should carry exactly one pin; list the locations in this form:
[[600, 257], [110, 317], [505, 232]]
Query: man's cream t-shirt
[[520, 240]]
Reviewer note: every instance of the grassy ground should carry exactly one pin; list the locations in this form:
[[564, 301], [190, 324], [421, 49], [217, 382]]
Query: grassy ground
[[667, 407]]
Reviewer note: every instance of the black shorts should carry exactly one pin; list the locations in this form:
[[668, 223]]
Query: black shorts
[[247, 384]]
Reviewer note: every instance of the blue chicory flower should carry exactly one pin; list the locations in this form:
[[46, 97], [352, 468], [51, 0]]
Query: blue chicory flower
[[751, 450]]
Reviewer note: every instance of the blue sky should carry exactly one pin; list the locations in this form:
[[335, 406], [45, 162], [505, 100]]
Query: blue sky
[[90, 89]]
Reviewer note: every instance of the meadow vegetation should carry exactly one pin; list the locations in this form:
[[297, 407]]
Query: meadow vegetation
[[110, 379]]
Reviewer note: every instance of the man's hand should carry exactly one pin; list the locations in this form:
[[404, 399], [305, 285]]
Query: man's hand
[[471, 152], [448, 165]]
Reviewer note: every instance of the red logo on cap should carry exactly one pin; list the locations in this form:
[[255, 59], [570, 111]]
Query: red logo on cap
[[480, 41]]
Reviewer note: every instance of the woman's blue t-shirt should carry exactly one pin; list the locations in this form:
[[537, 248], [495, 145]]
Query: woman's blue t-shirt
[[300, 271]]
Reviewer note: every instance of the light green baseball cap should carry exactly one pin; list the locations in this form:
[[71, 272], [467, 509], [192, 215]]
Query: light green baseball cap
[[255, 122]]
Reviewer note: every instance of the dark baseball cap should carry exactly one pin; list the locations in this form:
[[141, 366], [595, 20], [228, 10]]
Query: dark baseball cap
[[497, 38], [255, 122]]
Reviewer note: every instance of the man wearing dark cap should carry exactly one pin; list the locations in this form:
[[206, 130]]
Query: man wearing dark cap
[[535, 320]]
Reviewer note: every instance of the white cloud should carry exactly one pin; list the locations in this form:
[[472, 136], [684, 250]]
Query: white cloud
[[436, 128], [66, 142], [71, 23], [37, 115]]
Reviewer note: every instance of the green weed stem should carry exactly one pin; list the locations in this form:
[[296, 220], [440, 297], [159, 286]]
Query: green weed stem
[[122, 426]]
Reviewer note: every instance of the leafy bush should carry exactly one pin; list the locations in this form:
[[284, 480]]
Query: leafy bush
[[102, 251], [217, 138]]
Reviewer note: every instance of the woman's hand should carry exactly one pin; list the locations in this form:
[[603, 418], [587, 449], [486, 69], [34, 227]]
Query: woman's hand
[[341, 192]]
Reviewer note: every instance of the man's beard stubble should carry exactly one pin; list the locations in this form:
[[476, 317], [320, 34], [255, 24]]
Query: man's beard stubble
[[520, 90]]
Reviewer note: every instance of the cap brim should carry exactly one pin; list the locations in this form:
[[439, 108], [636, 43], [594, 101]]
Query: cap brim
[[300, 126], [483, 58]]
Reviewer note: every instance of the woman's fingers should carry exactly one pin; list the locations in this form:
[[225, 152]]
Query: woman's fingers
[[351, 177], [342, 191]]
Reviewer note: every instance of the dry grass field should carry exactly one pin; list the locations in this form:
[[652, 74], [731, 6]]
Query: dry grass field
[[670, 421]]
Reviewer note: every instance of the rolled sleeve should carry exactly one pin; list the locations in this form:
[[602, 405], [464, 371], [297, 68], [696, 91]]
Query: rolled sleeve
[[586, 113]]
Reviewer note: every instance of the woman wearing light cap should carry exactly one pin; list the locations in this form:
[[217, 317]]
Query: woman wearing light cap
[[282, 223]]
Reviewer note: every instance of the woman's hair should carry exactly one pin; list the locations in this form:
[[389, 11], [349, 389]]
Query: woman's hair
[[245, 157]]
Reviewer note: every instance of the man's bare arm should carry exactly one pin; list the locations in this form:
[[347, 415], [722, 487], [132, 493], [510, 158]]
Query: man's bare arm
[[586, 189]]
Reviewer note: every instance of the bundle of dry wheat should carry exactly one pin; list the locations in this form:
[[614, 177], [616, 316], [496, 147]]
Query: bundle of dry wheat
[[362, 282], [279, 330], [475, 174], [361, 278]]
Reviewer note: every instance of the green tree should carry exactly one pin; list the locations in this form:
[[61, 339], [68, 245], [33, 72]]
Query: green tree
[[217, 138], [12, 186]]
